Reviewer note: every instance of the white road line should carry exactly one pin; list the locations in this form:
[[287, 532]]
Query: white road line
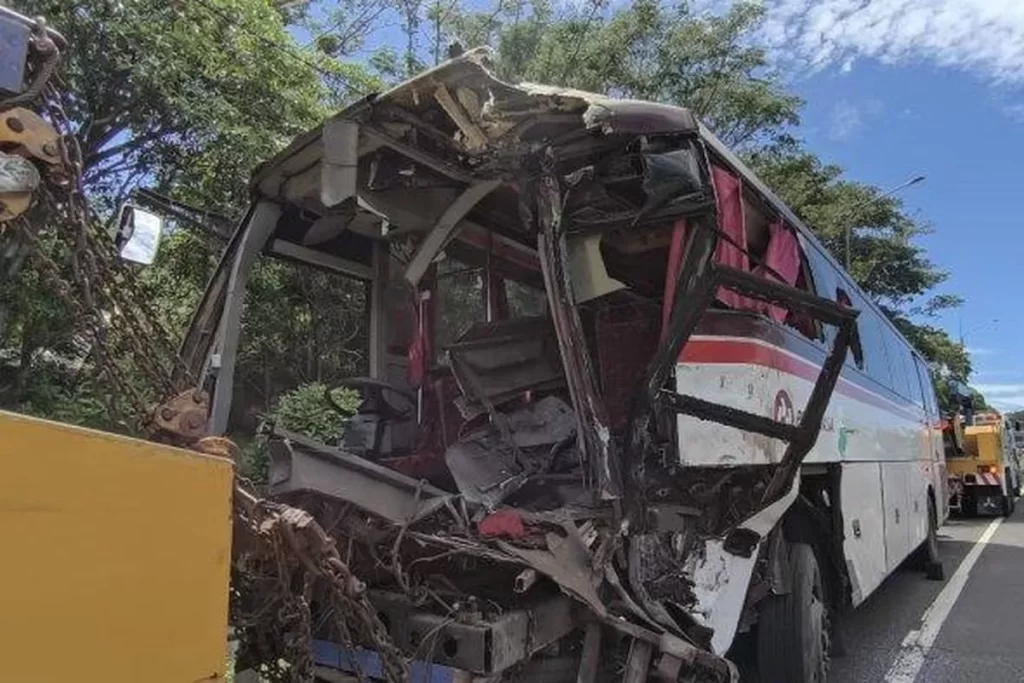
[[916, 645]]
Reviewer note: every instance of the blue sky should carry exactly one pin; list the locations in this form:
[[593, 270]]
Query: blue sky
[[898, 88]]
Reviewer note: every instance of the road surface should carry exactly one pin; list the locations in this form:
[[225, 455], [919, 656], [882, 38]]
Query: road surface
[[966, 629]]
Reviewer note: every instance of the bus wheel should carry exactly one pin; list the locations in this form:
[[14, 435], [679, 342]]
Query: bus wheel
[[929, 550], [793, 629]]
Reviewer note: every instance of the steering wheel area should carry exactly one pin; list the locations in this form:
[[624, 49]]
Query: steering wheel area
[[374, 402]]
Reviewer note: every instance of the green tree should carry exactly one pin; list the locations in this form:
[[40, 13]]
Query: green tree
[[885, 261], [188, 96], [202, 89]]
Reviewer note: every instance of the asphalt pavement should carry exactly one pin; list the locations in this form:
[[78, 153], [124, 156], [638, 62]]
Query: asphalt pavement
[[966, 629]]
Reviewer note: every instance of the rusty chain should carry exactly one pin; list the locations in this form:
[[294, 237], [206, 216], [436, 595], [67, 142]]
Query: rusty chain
[[281, 553], [298, 550]]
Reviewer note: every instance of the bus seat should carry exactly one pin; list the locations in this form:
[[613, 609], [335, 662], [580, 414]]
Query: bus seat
[[502, 360]]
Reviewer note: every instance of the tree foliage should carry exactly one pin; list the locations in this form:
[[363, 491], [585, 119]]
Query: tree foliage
[[185, 96], [187, 92]]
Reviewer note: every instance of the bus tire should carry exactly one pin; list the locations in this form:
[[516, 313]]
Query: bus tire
[[927, 554], [1011, 493], [793, 629]]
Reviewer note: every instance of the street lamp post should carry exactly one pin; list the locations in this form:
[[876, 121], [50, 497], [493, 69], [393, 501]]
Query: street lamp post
[[849, 226]]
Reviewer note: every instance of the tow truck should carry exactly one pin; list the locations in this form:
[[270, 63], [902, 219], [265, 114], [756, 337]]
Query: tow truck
[[982, 460], [984, 477]]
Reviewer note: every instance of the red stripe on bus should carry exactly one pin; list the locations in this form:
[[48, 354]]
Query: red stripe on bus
[[741, 352]]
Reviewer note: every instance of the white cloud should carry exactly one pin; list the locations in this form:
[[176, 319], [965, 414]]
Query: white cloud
[[985, 37], [1007, 404], [1000, 389], [999, 373], [1015, 112], [848, 118], [1003, 396]]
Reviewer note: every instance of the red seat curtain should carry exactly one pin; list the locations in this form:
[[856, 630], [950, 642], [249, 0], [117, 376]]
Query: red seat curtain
[[782, 259], [675, 262], [733, 243], [421, 351]]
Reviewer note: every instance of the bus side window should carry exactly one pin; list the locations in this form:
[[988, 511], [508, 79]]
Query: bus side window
[[904, 377], [918, 394], [856, 350], [931, 397], [921, 386], [877, 360]]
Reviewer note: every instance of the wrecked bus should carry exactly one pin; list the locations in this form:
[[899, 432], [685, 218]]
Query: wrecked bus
[[672, 423]]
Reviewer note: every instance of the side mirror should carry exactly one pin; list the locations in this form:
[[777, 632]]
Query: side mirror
[[138, 234], [14, 40]]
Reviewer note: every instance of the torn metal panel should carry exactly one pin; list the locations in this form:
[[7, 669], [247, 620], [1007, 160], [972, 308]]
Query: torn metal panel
[[594, 436], [656, 578], [567, 563], [635, 117], [487, 468], [590, 279], [615, 116], [721, 578], [301, 465], [338, 169]]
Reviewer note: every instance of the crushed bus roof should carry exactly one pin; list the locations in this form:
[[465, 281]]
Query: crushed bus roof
[[468, 126]]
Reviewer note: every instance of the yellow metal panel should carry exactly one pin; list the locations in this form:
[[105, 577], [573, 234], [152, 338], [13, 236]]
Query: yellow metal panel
[[116, 556], [985, 443]]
